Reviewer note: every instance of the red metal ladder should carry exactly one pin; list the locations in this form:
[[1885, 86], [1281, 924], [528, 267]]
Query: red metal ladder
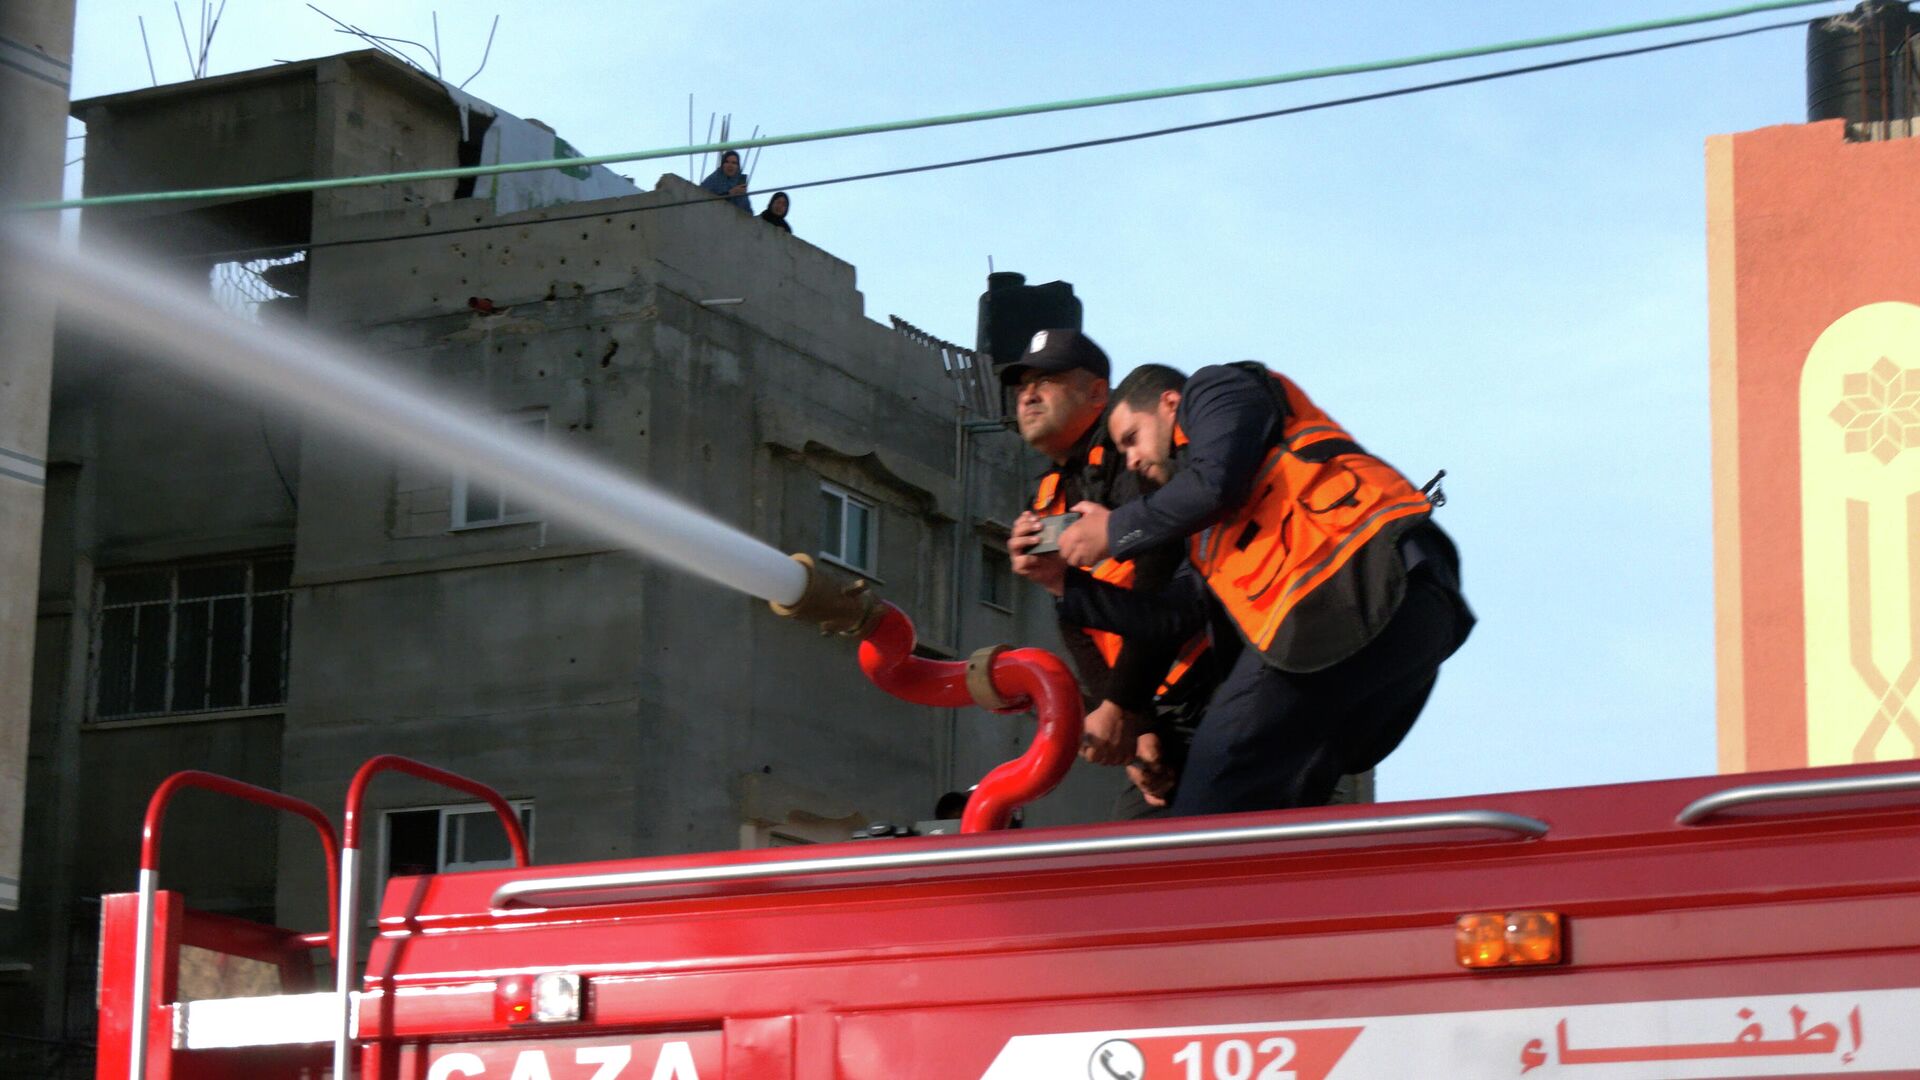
[[145, 1034]]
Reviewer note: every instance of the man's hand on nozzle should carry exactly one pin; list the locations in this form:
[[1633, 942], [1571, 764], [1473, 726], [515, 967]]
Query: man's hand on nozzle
[[1049, 571], [1150, 773], [1025, 534], [1110, 733], [1084, 542]]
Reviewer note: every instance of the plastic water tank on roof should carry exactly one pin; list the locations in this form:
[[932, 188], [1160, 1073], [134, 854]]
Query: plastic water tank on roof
[[1861, 66]]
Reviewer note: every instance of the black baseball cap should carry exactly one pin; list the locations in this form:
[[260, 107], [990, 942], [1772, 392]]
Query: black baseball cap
[[1058, 350]]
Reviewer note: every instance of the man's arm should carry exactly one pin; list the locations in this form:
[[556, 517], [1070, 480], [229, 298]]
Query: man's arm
[[1088, 663], [1169, 618], [1154, 626], [1143, 664], [1230, 419], [1138, 672]]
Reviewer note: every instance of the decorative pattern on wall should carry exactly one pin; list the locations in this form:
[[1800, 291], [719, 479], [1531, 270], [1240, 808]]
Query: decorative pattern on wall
[[1860, 502]]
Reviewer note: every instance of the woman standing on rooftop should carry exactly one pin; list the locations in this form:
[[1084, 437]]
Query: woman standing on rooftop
[[776, 211], [729, 182]]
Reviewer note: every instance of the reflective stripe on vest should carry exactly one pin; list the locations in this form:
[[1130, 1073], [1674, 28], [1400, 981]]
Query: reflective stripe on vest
[[1048, 495], [1307, 521]]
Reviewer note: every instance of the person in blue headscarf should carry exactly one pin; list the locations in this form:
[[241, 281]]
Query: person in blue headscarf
[[729, 182]]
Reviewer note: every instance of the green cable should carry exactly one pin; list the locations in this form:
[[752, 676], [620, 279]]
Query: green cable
[[926, 122]]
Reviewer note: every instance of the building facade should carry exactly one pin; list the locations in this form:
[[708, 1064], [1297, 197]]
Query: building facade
[[225, 587], [1815, 318]]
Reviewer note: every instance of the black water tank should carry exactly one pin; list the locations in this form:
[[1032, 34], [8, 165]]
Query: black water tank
[[1854, 63], [1012, 311]]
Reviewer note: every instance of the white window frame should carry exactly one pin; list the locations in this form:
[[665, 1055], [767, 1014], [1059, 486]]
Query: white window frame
[[526, 418], [851, 498], [448, 811]]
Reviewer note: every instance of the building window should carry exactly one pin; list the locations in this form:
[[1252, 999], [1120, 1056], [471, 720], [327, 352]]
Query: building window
[[192, 638], [448, 839], [476, 505], [996, 578], [849, 528]]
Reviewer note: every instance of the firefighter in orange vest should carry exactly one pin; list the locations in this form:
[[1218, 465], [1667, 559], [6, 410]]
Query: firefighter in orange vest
[[1317, 560], [1132, 718]]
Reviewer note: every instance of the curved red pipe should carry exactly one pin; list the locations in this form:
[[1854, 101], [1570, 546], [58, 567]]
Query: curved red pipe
[[1027, 678], [223, 785]]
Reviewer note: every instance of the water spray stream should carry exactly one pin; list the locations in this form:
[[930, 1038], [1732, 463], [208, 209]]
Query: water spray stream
[[152, 313], [147, 309]]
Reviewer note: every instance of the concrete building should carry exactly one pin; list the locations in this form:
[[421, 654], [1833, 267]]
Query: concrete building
[[223, 588], [36, 37]]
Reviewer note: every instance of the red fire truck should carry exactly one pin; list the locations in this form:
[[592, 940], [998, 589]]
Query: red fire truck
[[1764, 925]]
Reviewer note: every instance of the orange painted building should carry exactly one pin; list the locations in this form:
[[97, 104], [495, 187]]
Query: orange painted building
[[1814, 291]]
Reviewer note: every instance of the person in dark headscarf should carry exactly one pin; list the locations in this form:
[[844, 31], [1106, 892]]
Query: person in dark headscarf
[[729, 182], [776, 211]]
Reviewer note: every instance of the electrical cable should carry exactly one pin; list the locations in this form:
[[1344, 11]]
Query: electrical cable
[[287, 187], [1011, 155]]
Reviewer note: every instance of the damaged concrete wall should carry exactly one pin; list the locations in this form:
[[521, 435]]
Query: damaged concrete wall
[[642, 710]]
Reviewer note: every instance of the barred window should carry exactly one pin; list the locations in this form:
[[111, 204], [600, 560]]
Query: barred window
[[194, 637]]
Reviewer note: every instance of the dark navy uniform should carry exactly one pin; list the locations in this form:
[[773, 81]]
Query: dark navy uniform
[[1271, 738]]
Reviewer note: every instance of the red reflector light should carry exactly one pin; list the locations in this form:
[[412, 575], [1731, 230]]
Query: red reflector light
[[513, 1000], [547, 998], [1507, 939]]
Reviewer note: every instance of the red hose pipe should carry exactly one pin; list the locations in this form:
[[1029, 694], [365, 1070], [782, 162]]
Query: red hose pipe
[[886, 656], [1021, 679]]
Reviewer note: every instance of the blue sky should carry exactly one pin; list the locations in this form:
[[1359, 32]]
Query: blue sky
[[1507, 281]]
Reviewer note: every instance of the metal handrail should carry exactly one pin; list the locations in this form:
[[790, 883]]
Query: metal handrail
[[348, 888], [1706, 806], [150, 881], [555, 892]]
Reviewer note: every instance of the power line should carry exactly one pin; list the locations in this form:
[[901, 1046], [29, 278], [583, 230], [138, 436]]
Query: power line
[[932, 121], [1012, 155]]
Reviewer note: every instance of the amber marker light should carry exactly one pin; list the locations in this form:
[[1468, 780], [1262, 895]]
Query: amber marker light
[[1507, 939], [1533, 937], [1480, 941]]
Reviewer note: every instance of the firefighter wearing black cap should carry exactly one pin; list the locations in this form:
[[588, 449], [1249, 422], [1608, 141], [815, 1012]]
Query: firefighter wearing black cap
[[1319, 559], [1140, 696]]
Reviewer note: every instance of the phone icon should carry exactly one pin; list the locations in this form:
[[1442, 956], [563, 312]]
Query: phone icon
[[1117, 1059]]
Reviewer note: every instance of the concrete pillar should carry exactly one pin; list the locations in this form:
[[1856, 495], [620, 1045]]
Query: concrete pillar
[[36, 52]]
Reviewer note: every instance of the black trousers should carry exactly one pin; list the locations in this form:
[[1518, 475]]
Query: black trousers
[[1271, 739]]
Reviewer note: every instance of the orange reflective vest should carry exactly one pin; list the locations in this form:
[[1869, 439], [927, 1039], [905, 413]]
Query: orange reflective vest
[[1051, 500], [1308, 567]]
